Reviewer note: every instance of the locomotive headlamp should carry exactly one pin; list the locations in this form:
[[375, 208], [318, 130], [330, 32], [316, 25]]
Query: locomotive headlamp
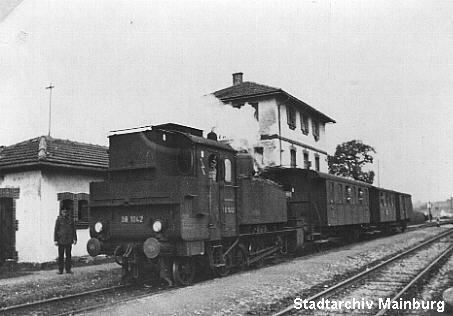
[[157, 226], [98, 227]]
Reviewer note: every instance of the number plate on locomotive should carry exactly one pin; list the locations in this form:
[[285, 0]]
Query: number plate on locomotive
[[132, 219]]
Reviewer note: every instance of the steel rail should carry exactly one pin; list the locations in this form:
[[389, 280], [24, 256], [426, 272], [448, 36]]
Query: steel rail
[[365, 272], [414, 280], [117, 301], [60, 298]]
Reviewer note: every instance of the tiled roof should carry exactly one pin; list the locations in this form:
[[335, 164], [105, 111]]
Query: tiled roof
[[46, 150], [245, 89], [249, 89]]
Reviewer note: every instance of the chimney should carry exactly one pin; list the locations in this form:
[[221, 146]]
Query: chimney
[[237, 78]]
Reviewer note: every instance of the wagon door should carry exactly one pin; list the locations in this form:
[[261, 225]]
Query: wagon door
[[7, 229]]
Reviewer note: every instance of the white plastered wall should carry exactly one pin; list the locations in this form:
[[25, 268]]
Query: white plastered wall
[[268, 125], [28, 212], [54, 183], [38, 207]]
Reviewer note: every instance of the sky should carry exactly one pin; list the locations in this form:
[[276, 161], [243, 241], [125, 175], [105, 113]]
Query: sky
[[383, 69]]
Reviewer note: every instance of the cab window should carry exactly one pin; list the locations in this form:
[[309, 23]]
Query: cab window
[[228, 170], [212, 167]]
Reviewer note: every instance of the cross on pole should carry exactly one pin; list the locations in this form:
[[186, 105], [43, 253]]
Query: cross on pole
[[50, 87]]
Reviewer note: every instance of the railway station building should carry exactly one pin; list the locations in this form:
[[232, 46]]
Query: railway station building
[[38, 177], [290, 132]]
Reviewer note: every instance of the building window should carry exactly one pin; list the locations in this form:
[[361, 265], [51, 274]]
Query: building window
[[315, 129], [317, 162], [68, 204], [304, 123], [256, 113], [291, 115], [82, 215], [307, 163], [293, 158], [77, 204], [259, 156]]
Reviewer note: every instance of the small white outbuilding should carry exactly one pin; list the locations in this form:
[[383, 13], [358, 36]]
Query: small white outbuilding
[[38, 177]]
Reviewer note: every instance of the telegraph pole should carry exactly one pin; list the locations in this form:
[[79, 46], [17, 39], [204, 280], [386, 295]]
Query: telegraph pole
[[50, 87]]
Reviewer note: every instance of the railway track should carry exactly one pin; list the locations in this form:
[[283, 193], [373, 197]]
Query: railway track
[[80, 302], [387, 280], [89, 300]]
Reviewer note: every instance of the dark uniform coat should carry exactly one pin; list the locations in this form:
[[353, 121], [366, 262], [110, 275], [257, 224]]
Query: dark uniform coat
[[65, 232]]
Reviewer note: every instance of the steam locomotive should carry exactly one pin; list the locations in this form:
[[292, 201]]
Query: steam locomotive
[[176, 202]]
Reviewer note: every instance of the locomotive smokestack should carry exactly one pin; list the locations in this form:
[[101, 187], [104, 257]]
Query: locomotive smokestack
[[237, 78]]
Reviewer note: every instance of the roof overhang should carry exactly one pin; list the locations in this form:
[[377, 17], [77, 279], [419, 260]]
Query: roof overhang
[[305, 106], [42, 164]]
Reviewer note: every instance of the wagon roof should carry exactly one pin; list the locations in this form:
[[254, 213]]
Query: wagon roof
[[338, 178], [316, 174], [388, 190], [49, 151]]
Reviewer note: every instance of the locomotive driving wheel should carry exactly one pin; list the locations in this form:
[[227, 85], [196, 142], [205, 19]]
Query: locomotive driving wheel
[[183, 271]]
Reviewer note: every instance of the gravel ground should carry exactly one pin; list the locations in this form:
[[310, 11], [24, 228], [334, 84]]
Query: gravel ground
[[45, 284], [253, 291]]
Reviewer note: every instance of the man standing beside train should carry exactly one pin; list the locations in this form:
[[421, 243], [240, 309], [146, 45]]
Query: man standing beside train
[[64, 236]]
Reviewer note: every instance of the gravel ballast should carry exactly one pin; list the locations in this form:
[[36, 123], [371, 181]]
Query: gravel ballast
[[45, 284], [251, 291]]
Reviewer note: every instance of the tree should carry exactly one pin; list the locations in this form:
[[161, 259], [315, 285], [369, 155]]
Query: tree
[[349, 158]]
